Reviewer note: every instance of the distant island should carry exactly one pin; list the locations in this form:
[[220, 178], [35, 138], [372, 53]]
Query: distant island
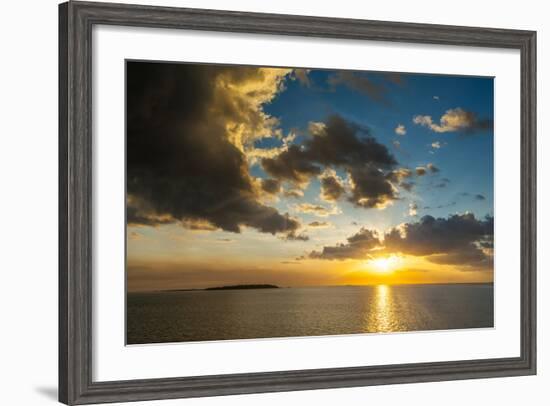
[[236, 287]]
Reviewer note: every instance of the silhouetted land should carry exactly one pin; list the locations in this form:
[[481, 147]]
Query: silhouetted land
[[236, 287], [229, 287]]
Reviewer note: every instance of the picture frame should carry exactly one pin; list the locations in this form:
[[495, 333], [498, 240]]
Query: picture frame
[[76, 352]]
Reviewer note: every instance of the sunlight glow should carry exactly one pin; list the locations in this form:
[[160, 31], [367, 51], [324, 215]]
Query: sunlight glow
[[385, 264]]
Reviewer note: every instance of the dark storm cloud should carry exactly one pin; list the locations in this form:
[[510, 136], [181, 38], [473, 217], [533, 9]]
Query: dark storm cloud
[[332, 187], [459, 239], [479, 197], [137, 216], [181, 164], [271, 186], [357, 247], [343, 143], [452, 240], [336, 143], [292, 165], [339, 143], [370, 187]]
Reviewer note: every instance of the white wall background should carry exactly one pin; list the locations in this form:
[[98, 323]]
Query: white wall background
[[28, 201]]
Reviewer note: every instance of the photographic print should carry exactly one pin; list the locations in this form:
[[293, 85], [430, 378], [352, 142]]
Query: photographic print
[[266, 202]]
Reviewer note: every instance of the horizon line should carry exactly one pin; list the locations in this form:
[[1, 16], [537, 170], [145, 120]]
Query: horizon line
[[207, 288]]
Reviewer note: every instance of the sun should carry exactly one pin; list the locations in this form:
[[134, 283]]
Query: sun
[[385, 264]]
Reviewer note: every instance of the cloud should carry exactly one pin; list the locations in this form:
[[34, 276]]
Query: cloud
[[420, 171], [316, 127], [360, 82], [413, 209], [399, 174], [454, 240], [316, 210], [408, 186], [294, 236], [477, 197], [455, 120], [254, 154], [423, 170], [343, 143], [400, 129], [459, 239], [140, 213], [371, 188], [291, 165], [358, 246], [443, 206], [339, 144], [398, 177], [436, 145], [319, 224], [293, 193], [188, 127], [432, 168], [225, 240], [302, 75], [436, 97], [396, 144], [197, 225], [271, 186], [332, 186]]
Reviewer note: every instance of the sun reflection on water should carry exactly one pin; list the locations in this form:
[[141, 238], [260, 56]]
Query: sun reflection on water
[[382, 317]]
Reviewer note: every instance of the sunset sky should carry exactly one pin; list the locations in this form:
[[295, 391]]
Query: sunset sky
[[300, 177]]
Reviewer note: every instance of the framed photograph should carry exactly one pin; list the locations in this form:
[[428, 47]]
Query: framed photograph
[[257, 203]]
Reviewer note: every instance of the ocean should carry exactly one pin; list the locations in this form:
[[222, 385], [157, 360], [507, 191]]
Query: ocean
[[205, 315]]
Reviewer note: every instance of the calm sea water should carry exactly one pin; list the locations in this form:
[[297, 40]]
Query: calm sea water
[[292, 312]]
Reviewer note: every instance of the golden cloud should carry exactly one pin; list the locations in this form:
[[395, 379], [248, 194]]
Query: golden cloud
[[316, 210], [454, 120]]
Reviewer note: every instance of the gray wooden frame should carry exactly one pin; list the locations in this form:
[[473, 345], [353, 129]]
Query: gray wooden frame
[[76, 20]]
